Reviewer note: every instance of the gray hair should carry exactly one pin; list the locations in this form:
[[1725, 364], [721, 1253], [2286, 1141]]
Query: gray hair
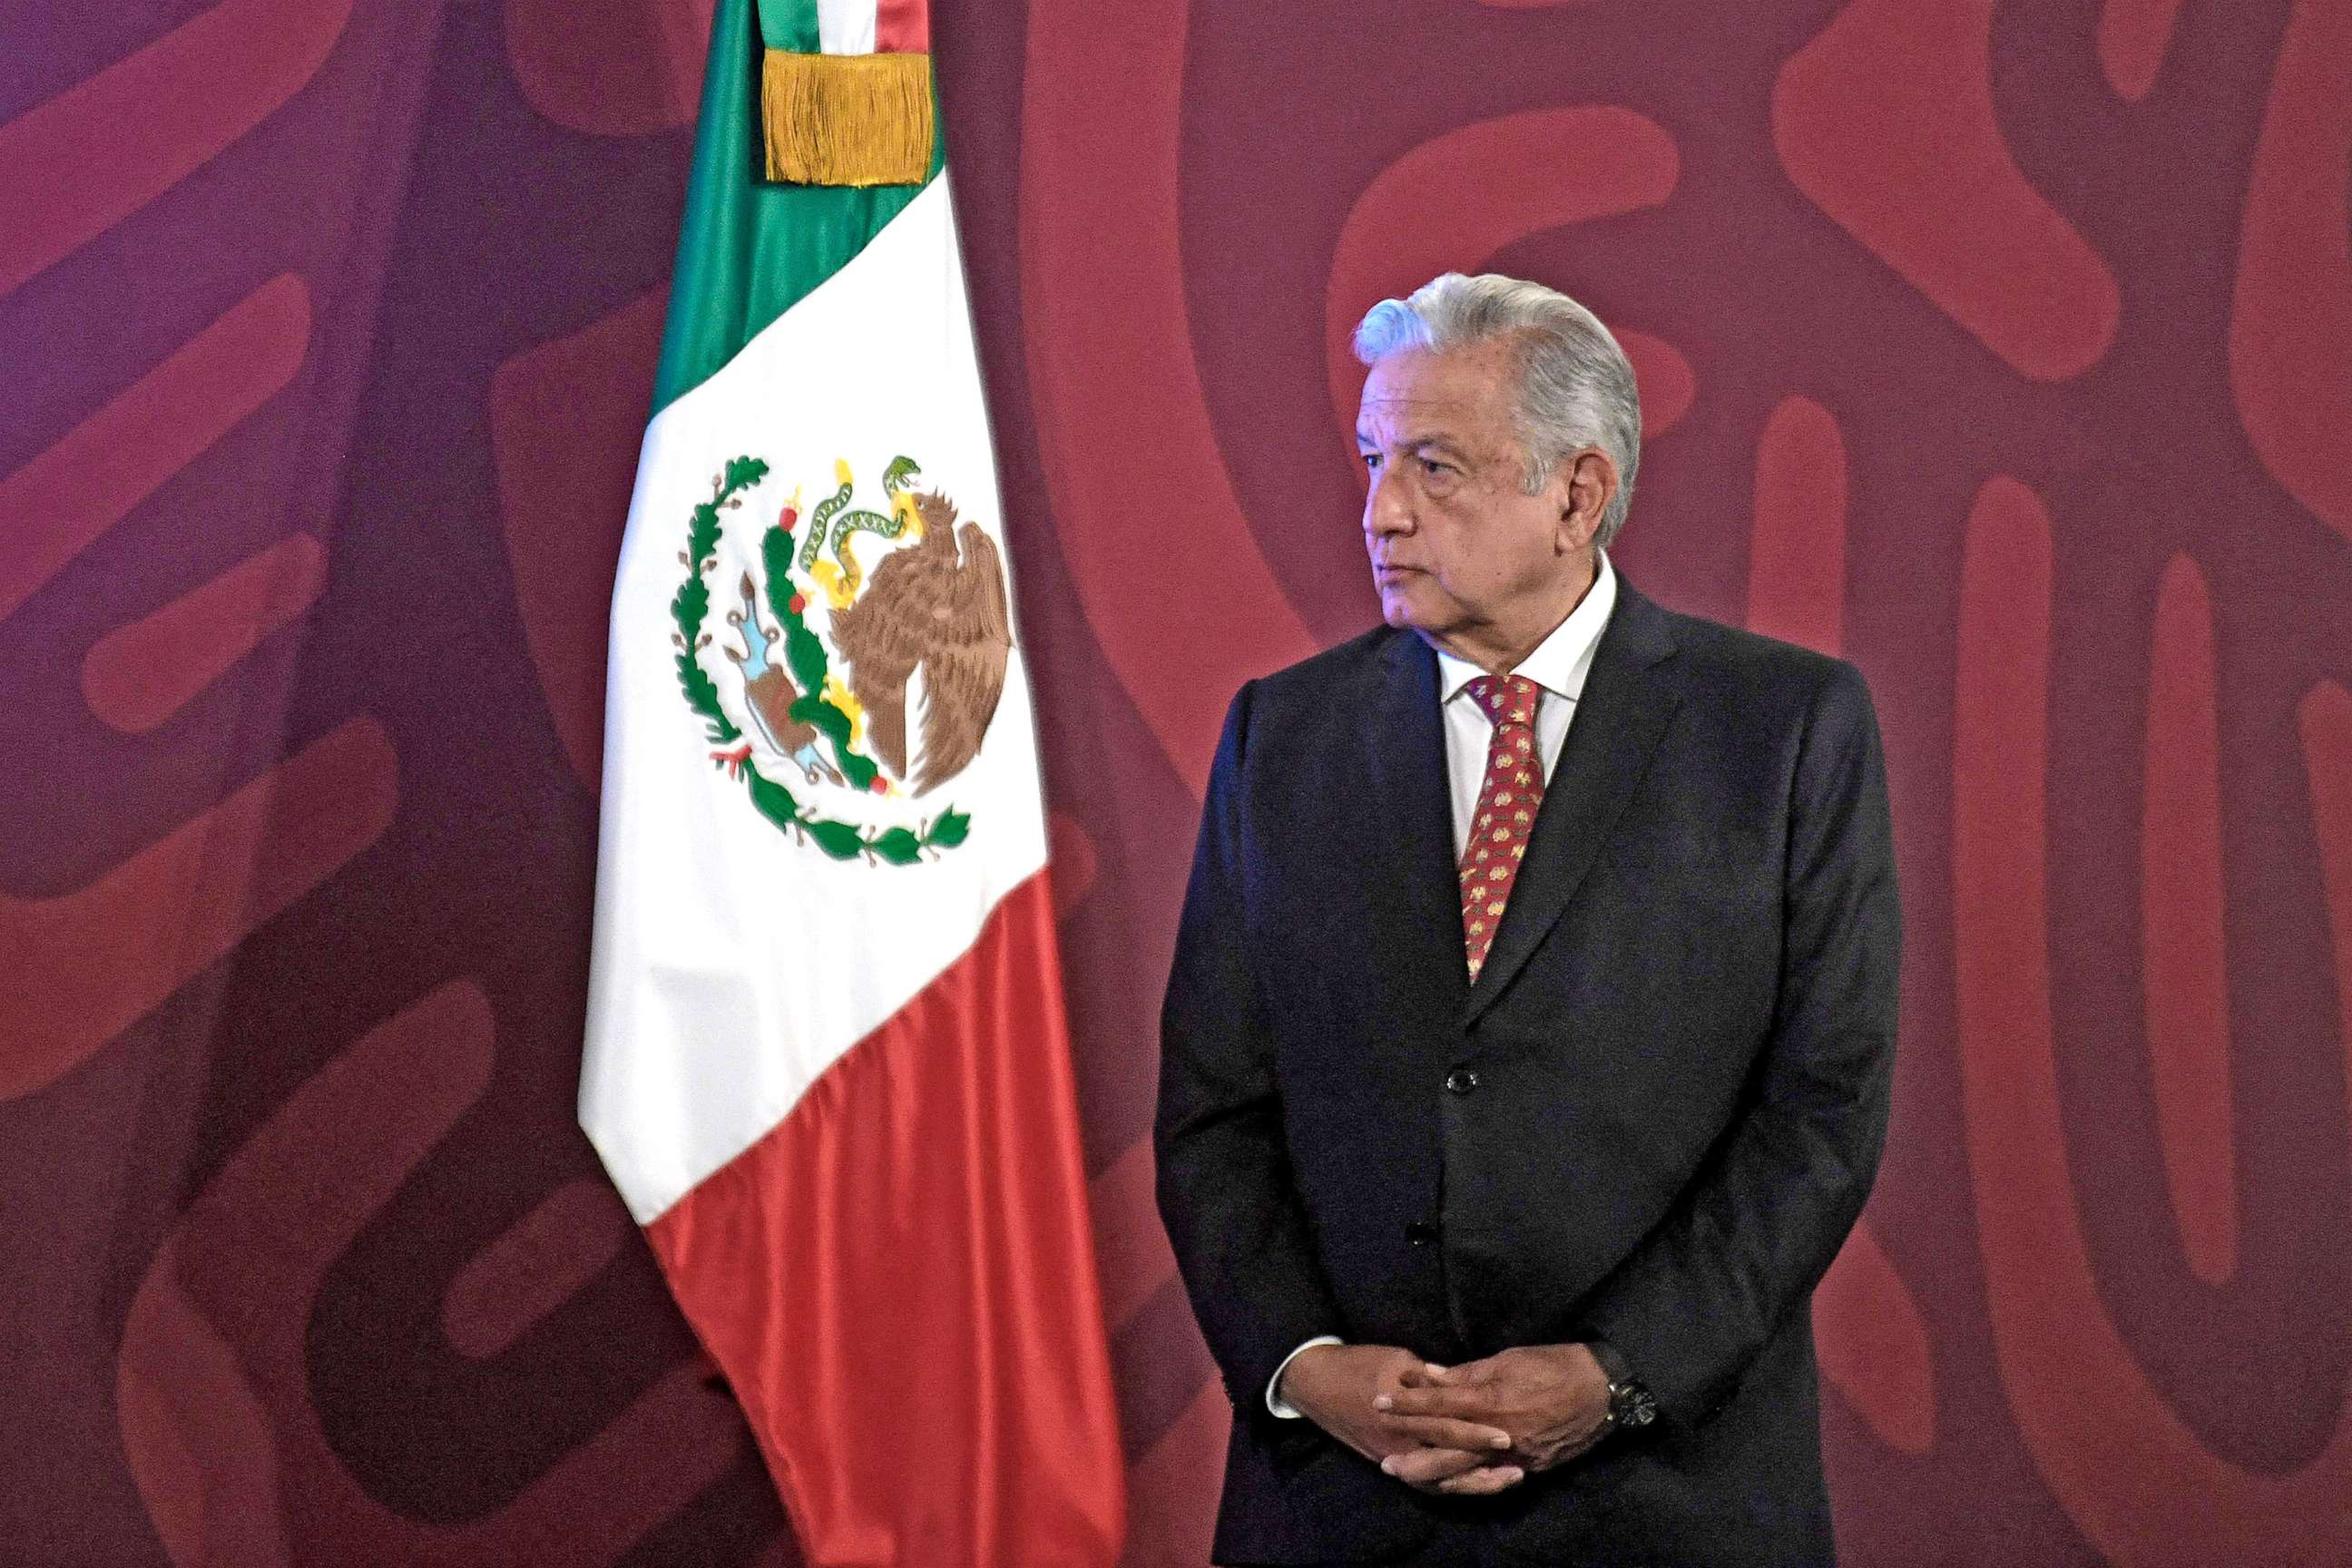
[[1576, 386]]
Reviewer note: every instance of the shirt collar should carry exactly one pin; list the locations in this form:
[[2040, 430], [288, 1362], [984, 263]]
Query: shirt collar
[[1561, 660]]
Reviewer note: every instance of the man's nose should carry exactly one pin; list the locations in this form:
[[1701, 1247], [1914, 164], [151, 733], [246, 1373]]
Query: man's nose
[[1386, 508]]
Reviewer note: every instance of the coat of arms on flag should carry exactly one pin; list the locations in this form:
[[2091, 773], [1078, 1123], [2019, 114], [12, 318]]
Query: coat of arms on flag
[[830, 753]]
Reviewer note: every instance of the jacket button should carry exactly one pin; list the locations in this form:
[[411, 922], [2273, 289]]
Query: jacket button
[[1461, 1080], [1421, 1233]]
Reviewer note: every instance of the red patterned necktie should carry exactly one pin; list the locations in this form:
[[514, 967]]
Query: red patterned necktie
[[1506, 808]]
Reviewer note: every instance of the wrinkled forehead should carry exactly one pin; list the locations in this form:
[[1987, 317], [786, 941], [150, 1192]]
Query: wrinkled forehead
[[1464, 397]]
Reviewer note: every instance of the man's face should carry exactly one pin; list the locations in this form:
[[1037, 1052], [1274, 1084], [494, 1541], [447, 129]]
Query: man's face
[[1460, 551]]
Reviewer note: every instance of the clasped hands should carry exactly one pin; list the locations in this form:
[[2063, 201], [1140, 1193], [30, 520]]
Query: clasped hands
[[1465, 1431]]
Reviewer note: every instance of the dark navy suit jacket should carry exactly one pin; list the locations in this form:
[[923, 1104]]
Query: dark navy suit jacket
[[1680, 1043]]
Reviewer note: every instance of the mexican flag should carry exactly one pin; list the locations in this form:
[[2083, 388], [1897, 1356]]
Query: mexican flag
[[827, 1065]]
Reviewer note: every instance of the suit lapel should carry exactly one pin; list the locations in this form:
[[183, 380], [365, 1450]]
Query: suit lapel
[[1416, 891], [1628, 699]]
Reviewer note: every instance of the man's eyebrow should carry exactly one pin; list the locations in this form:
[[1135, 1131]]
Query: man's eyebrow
[[1432, 439], [1439, 446]]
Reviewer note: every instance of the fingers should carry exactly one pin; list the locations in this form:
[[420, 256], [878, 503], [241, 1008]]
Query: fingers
[[1425, 1374], [1439, 1432], [1452, 1471], [1470, 1374], [1456, 1404], [1427, 1468], [1484, 1481]]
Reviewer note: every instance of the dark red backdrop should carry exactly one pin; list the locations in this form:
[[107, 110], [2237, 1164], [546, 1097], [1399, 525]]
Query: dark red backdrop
[[2005, 348]]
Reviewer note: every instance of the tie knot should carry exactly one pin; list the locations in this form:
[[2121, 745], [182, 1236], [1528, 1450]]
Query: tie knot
[[1506, 698]]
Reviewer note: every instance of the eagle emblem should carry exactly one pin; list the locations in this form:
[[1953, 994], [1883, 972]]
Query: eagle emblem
[[859, 659]]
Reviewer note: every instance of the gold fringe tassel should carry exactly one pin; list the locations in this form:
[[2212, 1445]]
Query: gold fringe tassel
[[847, 119]]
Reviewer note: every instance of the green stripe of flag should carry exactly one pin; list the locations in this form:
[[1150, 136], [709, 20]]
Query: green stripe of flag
[[750, 250], [789, 25]]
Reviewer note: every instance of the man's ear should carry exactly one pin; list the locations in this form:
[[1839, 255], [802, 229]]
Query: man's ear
[[1590, 485]]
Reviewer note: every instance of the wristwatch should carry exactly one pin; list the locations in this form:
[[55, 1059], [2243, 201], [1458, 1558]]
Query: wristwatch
[[1630, 1404]]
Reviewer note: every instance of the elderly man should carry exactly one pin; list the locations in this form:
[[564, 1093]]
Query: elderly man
[[1526, 1056]]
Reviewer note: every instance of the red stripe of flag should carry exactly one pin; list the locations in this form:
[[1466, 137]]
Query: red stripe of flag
[[898, 1280], [902, 26]]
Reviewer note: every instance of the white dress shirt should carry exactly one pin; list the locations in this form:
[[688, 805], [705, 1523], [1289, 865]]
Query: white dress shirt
[[1559, 665]]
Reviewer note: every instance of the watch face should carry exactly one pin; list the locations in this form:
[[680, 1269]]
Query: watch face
[[1633, 1406]]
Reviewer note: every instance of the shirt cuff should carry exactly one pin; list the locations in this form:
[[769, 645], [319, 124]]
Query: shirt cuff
[[1281, 1411]]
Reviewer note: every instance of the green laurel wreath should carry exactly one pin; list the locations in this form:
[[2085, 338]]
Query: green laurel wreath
[[804, 655]]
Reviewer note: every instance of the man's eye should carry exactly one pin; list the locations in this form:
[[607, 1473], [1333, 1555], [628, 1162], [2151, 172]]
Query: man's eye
[[1371, 459], [1433, 466]]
